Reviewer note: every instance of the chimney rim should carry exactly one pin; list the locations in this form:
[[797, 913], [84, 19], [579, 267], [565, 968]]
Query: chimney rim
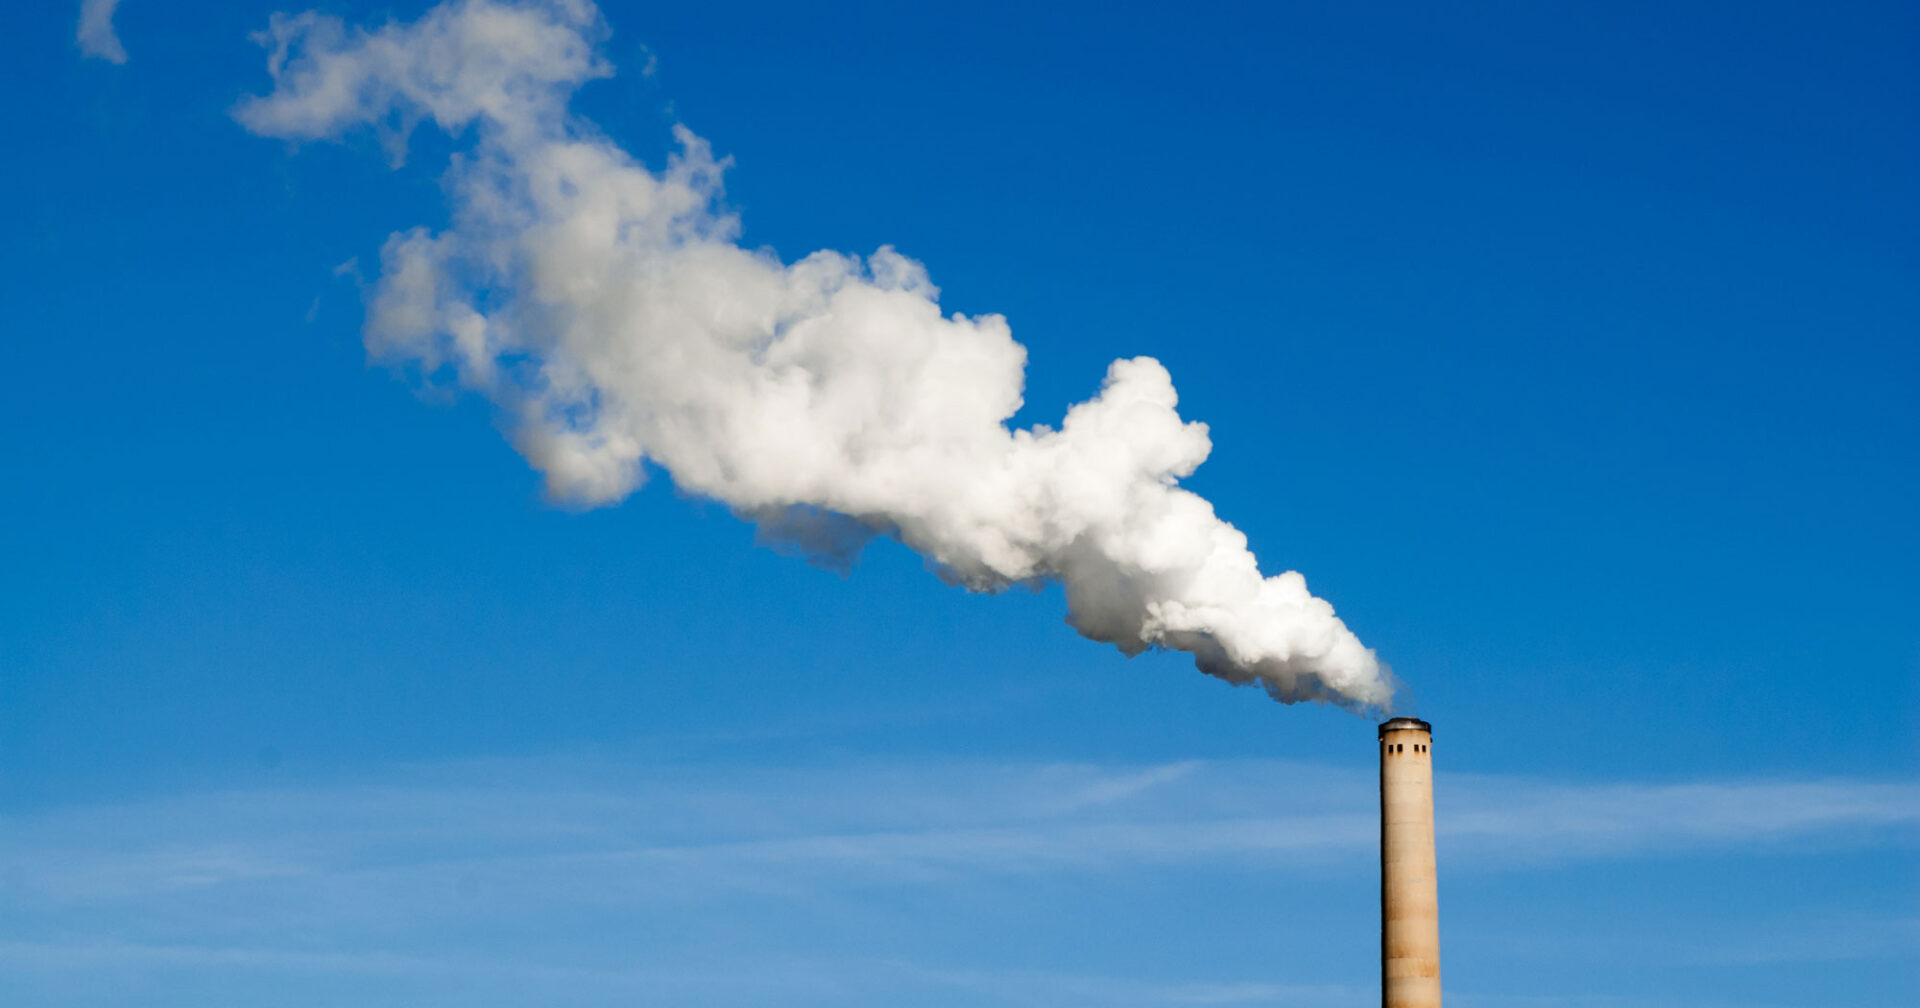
[[1404, 724]]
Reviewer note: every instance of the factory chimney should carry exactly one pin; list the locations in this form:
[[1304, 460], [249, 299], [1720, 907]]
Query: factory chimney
[[1409, 900]]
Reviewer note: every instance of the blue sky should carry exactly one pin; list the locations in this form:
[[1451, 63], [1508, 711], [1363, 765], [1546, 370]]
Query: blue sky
[[1568, 352]]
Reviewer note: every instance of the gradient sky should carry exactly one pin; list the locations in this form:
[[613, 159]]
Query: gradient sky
[[1569, 350]]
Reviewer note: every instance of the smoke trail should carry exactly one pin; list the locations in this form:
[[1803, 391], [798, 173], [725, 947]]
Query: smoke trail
[[610, 315], [96, 36]]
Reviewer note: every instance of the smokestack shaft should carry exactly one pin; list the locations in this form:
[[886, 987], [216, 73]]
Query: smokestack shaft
[[1409, 896]]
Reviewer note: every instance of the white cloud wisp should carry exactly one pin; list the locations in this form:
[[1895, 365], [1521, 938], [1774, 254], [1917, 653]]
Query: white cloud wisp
[[585, 828], [474, 883], [610, 314], [96, 35]]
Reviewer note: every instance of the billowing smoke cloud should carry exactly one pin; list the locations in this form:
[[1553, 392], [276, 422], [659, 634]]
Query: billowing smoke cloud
[[610, 314]]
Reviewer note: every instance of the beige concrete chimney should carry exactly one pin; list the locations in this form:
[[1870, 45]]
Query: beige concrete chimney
[[1409, 901]]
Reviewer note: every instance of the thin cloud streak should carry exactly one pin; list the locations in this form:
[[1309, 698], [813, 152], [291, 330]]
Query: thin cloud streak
[[810, 976], [1742, 941], [1505, 817], [893, 825], [1048, 987], [426, 879], [758, 977]]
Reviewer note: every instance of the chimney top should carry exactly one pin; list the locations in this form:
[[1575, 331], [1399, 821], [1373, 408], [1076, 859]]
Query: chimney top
[[1404, 724]]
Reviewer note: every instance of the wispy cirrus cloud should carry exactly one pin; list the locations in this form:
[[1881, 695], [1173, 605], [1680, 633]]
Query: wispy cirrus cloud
[[769, 980], [474, 871], [896, 824]]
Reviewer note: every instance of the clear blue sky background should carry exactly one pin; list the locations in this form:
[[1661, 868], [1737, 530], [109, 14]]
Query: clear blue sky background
[[1569, 349]]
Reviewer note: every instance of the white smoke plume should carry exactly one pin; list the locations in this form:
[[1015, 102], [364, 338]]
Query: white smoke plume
[[95, 35], [611, 316]]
